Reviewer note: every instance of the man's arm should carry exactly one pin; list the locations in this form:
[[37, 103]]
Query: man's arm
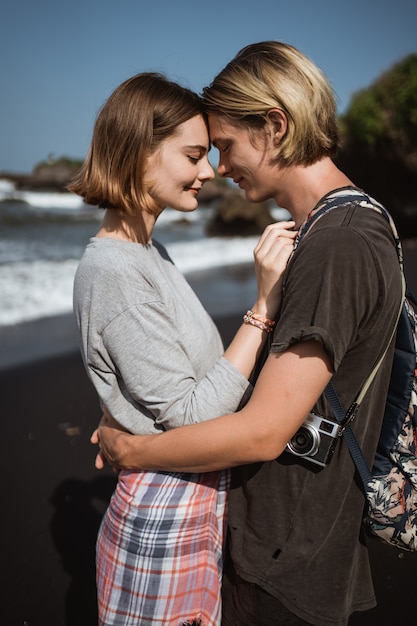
[[288, 387]]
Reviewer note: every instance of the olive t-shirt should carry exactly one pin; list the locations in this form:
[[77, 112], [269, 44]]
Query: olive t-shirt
[[295, 528]]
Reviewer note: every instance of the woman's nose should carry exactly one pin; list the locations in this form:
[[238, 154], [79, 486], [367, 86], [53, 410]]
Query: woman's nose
[[207, 171]]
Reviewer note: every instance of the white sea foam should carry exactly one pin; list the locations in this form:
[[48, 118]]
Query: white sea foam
[[33, 290], [6, 187], [39, 199], [48, 200], [44, 287], [37, 272], [213, 252]]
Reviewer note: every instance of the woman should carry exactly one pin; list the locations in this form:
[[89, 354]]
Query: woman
[[154, 355], [297, 550]]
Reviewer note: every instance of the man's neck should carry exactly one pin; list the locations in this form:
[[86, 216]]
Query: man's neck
[[306, 185]]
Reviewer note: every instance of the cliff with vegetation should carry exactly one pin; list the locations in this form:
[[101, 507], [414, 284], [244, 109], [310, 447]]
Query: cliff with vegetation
[[379, 142], [51, 175]]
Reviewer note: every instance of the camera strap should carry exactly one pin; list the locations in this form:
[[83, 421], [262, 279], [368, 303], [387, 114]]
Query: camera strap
[[349, 436]]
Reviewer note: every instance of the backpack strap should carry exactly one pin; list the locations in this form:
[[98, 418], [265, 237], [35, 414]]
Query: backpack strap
[[344, 418], [355, 195]]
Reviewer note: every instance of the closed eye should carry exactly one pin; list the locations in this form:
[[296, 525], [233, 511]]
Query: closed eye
[[223, 149]]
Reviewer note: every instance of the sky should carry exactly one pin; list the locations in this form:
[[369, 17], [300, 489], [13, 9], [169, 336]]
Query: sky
[[60, 60]]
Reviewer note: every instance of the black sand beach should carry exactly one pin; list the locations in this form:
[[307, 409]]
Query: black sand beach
[[53, 498]]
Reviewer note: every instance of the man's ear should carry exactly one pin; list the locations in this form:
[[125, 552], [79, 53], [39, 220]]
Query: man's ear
[[279, 124]]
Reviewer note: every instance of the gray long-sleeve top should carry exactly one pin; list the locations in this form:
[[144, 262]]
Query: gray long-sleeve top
[[151, 350]]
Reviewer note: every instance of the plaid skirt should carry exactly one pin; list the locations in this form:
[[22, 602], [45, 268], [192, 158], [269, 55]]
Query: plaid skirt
[[160, 550]]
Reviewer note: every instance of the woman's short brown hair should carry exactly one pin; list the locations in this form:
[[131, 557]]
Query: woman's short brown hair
[[269, 75], [142, 112]]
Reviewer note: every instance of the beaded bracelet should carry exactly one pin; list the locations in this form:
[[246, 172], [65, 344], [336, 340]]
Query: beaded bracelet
[[259, 321]]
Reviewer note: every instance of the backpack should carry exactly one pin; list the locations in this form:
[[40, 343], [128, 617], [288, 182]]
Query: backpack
[[390, 488]]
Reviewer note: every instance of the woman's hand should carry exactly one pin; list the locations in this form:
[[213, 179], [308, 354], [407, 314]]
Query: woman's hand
[[271, 255]]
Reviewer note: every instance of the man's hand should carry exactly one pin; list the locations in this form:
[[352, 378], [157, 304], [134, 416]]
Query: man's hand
[[107, 437]]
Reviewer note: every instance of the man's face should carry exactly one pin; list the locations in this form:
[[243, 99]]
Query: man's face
[[245, 158]]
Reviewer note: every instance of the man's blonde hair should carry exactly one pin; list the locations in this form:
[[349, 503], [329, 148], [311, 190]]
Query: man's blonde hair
[[269, 75]]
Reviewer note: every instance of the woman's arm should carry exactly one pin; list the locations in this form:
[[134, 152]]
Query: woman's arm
[[174, 372], [271, 255], [288, 387]]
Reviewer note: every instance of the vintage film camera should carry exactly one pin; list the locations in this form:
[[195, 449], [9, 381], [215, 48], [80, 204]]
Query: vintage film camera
[[315, 440]]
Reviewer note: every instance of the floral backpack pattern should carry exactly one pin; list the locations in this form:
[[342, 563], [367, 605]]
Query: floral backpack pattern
[[392, 490]]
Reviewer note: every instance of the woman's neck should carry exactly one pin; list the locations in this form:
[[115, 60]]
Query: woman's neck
[[136, 228]]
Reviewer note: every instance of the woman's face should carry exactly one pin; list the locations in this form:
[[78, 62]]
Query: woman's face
[[177, 170], [247, 159]]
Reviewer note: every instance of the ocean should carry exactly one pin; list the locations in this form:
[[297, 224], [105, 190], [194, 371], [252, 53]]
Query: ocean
[[43, 236]]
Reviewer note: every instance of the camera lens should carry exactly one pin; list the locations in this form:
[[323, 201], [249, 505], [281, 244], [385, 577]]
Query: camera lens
[[305, 442]]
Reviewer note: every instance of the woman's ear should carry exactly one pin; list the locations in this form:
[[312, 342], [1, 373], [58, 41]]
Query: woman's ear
[[279, 124]]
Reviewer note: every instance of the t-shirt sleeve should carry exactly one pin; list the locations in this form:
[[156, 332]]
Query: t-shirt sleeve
[[330, 294]]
